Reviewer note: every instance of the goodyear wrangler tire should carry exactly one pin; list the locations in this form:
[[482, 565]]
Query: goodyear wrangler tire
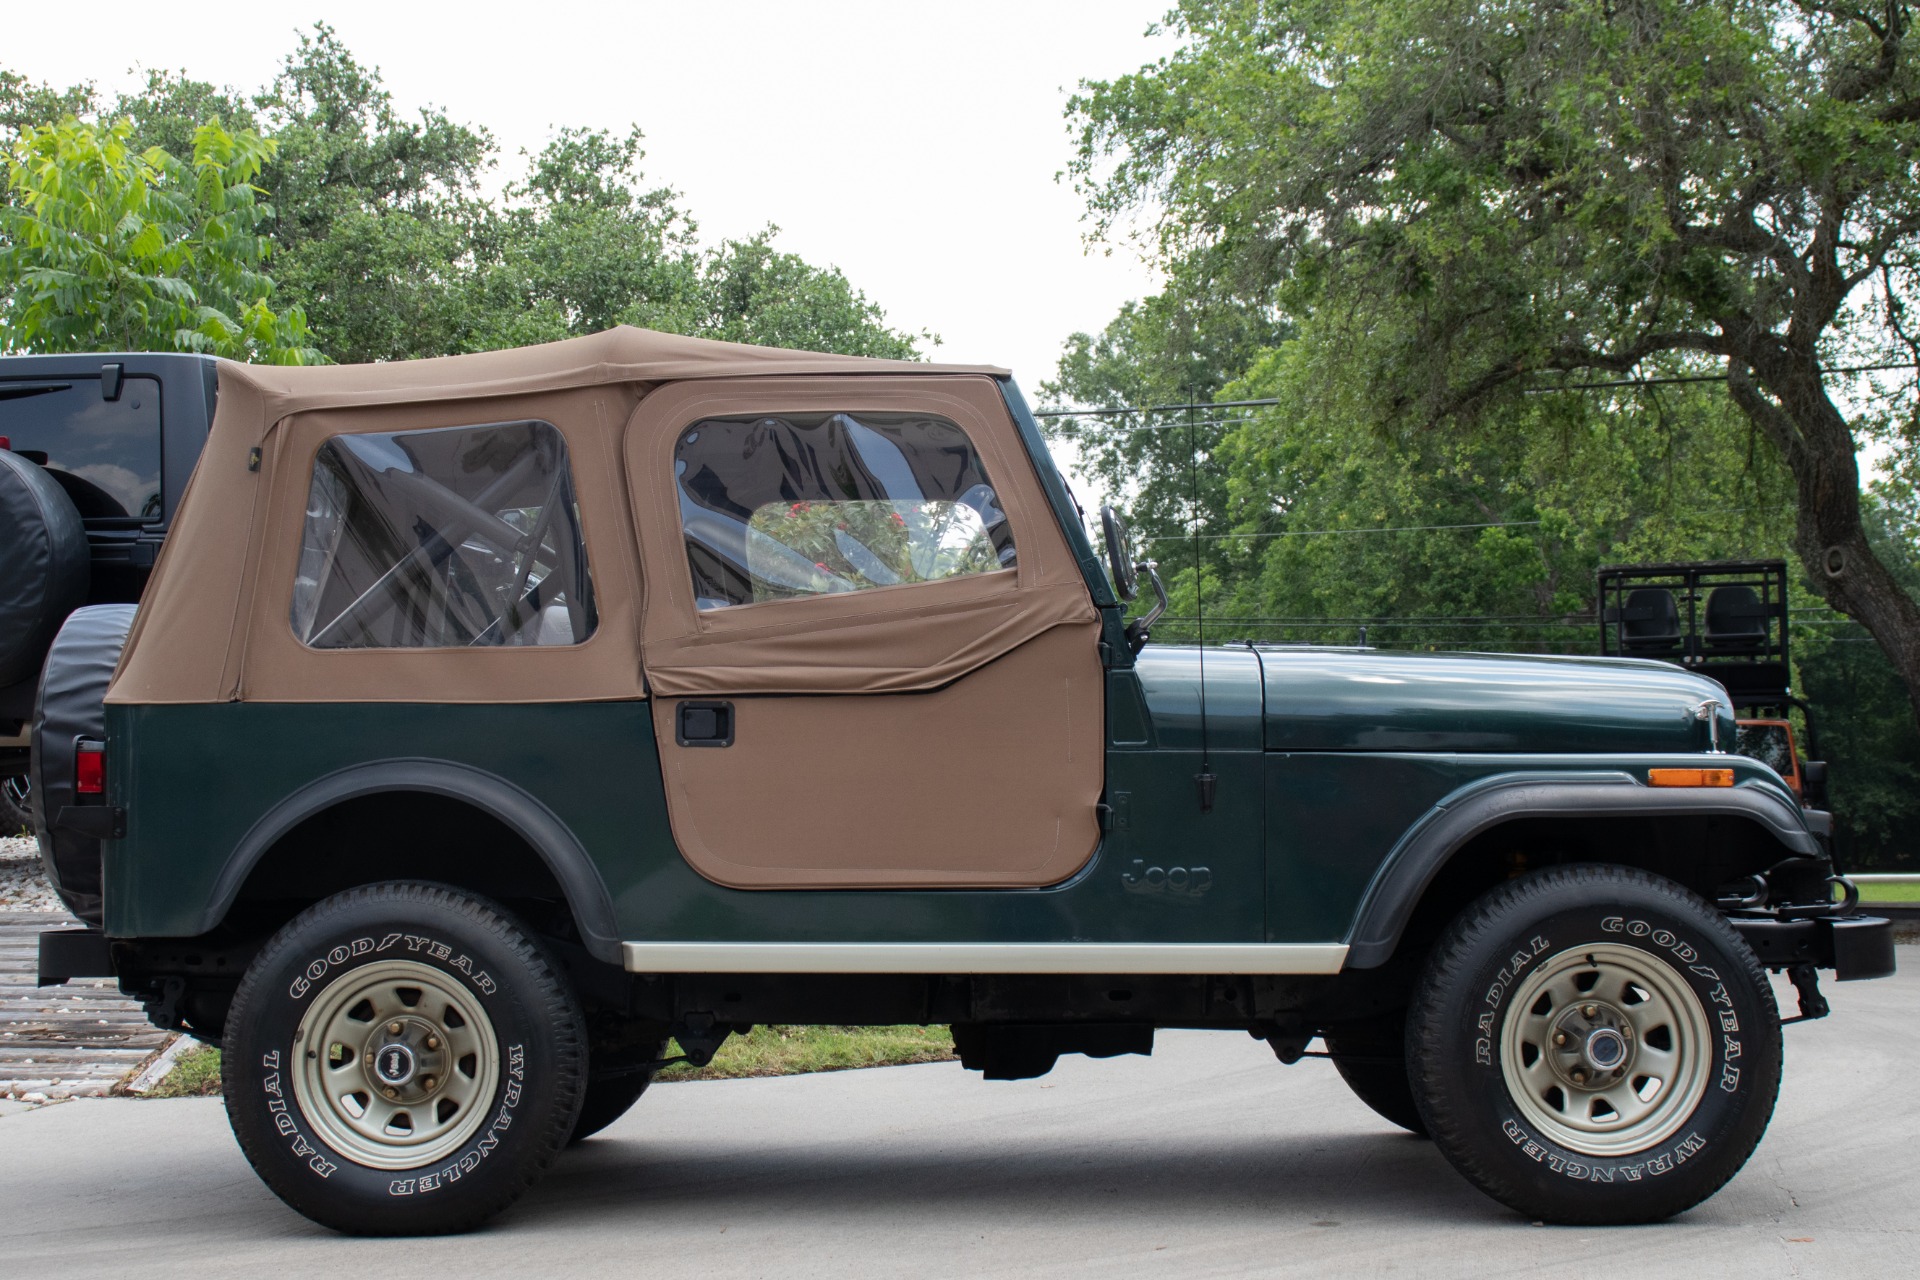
[[1593, 1045], [402, 1059]]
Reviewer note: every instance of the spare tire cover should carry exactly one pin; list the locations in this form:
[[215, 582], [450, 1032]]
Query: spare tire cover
[[44, 548], [72, 704]]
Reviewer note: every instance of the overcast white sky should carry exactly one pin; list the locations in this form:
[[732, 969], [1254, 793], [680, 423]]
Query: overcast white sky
[[912, 145]]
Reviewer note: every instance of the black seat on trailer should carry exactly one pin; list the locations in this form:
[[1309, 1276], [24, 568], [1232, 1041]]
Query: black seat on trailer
[[1736, 620], [1650, 622]]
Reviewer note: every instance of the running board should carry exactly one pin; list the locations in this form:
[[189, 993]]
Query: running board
[[985, 957]]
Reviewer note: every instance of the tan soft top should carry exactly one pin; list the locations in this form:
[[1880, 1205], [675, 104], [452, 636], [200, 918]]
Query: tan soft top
[[213, 626], [622, 355]]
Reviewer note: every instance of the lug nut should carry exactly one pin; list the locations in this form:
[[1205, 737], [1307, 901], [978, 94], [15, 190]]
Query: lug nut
[[1559, 1037], [1589, 1010], [426, 1082], [393, 1028], [1579, 1077], [391, 1092], [433, 1042]]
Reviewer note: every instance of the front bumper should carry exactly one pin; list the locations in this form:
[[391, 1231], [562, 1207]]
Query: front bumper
[[1854, 947]]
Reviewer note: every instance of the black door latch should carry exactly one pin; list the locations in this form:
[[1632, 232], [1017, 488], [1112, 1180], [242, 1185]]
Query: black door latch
[[703, 724]]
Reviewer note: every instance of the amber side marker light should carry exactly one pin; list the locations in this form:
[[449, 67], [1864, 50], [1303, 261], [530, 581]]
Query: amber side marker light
[[1690, 777]]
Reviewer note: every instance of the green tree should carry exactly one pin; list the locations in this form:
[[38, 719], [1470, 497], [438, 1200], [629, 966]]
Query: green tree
[[1480, 539], [169, 108], [1161, 350], [581, 244], [386, 240], [1470, 200], [378, 215], [24, 104], [584, 243], [1873, 750], [105, 248], [751, 292]]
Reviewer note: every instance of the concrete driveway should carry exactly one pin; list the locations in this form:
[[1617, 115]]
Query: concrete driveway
[[1207, 1159]]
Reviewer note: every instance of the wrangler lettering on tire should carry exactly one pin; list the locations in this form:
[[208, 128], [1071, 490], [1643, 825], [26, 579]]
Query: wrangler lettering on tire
[[393, 1041], [1591, 1044]]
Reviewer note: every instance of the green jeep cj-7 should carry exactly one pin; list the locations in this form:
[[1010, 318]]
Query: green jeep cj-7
[[491, 722]]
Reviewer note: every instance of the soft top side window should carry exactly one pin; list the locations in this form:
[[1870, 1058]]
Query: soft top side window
[[457, 536], [805, 504]]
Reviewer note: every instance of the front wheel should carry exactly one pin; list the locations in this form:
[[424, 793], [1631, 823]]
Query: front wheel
[[1593, 1044], [402, 1059]]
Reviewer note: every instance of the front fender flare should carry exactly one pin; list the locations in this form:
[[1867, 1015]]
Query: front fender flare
[[519, 811], [1417, 857]]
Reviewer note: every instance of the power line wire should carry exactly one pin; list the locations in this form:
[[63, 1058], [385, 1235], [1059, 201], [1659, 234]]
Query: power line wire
[[1314, 533], [1675, 380]]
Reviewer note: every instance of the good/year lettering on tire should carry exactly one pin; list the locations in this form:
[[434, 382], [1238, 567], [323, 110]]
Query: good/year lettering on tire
[[1593, 1044], [402, 1059]]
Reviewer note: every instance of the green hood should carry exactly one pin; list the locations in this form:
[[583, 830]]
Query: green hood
[[1356, 700]]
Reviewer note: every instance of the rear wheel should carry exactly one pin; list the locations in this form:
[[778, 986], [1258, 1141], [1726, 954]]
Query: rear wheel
[[1593, 1044], [402, 1059], [16, 805]]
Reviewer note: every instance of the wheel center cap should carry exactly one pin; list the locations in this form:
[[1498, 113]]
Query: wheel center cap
[[394, 1064], [1606, 1048]]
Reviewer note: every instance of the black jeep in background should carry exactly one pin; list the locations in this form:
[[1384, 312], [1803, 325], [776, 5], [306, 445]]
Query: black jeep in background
[[94, 453]]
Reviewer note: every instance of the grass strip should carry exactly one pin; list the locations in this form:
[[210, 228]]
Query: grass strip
[[788, 1051], [765, 1051], [1898, 893], [1894, 893], [195, 1074]]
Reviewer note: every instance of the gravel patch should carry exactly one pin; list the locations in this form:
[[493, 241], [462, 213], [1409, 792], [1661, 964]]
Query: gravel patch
[[23, 885]]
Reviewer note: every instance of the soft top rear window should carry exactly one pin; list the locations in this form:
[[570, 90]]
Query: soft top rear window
[[459, 536]]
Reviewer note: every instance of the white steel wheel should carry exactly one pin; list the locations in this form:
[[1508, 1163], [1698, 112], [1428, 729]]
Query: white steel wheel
[[396, 1065], [1605, 1049]]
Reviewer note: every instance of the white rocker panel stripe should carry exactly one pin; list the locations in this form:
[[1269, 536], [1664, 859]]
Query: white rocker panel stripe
[[985, 957]]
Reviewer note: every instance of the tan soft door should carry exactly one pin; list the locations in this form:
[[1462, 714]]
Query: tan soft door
[[873, 659]]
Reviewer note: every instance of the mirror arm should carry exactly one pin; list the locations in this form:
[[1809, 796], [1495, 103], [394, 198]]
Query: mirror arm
[[1141, 628]]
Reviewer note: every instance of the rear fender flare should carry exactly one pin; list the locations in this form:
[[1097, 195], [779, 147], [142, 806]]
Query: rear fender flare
[[1418, 856], [493, 795]]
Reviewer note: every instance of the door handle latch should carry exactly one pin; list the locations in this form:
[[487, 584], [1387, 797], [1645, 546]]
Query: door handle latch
[[703, 724]]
